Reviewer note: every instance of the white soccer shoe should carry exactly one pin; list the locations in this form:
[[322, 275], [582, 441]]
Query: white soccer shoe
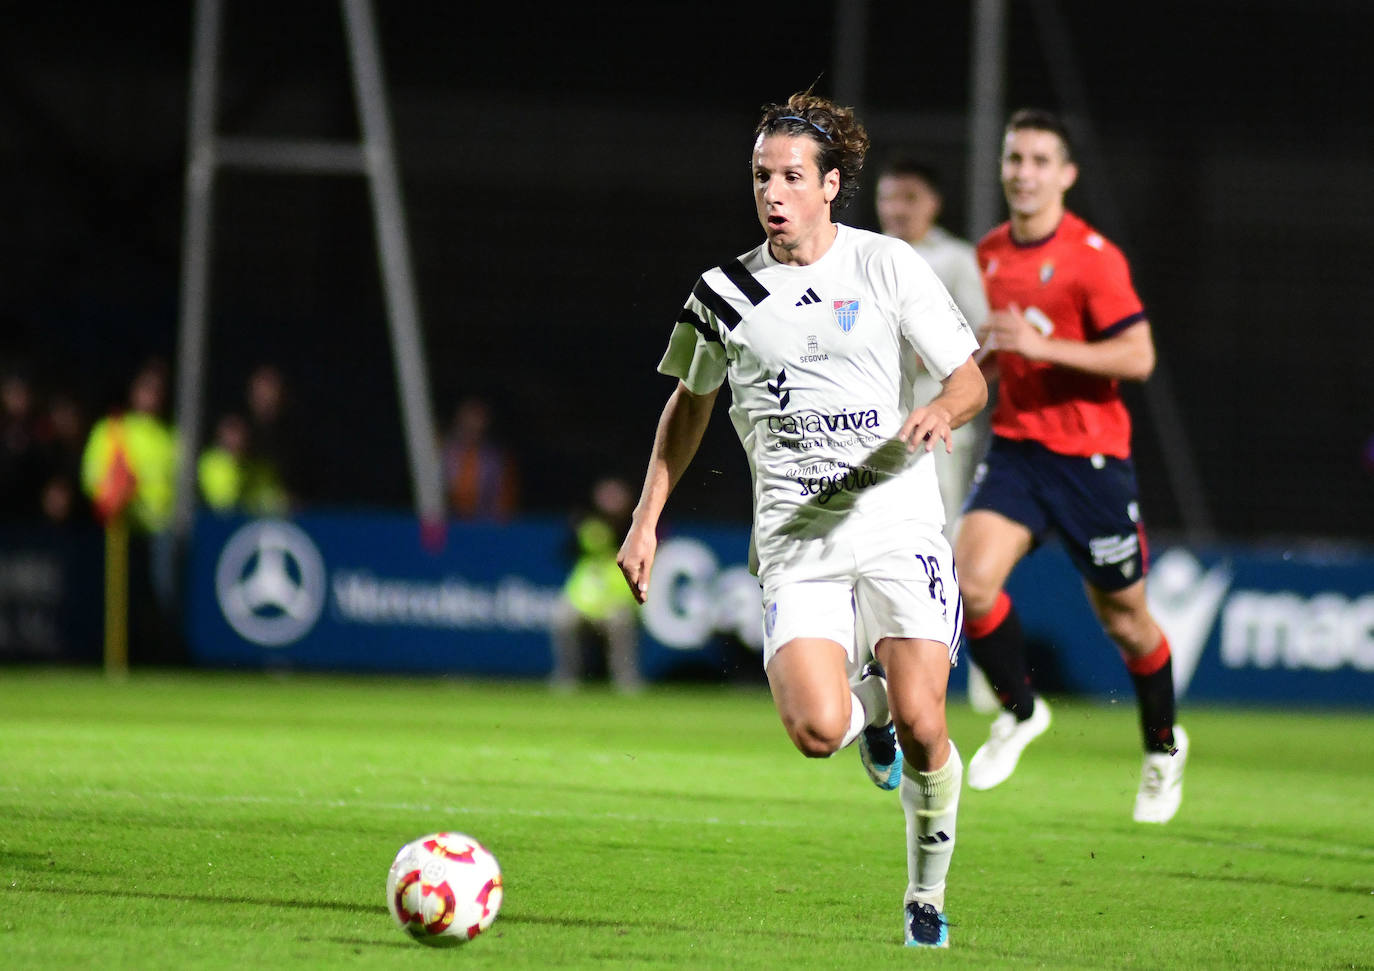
[[996, 759], [1161, 782]]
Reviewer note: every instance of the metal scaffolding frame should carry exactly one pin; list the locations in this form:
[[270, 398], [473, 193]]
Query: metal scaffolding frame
[[373, 157]]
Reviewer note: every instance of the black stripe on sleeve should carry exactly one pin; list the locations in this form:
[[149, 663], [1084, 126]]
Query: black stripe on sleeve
[[703, 328], [1119, 326], [742, 278], [718, 305]]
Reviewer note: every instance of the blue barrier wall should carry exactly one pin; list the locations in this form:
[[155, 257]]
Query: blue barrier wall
[[364, 592], [50, 594], [1244, 624]]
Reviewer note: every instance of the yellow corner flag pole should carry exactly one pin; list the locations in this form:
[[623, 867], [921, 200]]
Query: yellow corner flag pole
[[117, 597]]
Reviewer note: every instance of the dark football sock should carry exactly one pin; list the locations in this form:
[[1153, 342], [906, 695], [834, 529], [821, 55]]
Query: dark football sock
[[997, 645], [1153, 676]]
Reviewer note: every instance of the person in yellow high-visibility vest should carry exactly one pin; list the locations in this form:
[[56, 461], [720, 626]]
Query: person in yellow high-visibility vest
[[595, 598], [219, 470], [233, 479], [128, 468]]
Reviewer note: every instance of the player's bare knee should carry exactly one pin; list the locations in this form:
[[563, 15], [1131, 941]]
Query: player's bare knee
[[922, 729], [815, 745], [1133, 631], [814, 738], [978, 592]]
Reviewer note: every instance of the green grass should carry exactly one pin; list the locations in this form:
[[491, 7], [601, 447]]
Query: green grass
[[216, 821]]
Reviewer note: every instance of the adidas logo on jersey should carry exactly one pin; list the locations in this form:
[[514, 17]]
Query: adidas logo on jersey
[[809, 297]]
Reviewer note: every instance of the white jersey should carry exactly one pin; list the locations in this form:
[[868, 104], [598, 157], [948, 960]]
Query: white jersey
[[820, 360], [955, 262]]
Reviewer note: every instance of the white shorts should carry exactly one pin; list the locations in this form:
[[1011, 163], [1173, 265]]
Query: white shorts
[[856, 596]]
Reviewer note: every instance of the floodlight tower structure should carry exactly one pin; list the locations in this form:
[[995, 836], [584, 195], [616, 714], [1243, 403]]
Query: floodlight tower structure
[[374, 157]]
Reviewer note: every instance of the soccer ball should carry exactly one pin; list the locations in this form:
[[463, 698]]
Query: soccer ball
[[444, 889]]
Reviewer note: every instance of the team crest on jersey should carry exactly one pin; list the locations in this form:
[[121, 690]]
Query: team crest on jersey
[[846, 313], [1046, 272]]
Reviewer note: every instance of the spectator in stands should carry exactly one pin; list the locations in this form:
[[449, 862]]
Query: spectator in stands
[[128, 469], [220, 468], [279, 460], [480, 476], [595, 599], [62, 434], [233, 478], [21, 459], [129, 463]]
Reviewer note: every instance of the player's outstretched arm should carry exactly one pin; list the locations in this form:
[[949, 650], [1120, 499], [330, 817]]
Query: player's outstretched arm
[[680, 428], [963, 394]]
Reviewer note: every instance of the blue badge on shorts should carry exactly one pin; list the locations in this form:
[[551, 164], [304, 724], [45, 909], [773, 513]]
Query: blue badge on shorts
[[846, 313], [770, 618]]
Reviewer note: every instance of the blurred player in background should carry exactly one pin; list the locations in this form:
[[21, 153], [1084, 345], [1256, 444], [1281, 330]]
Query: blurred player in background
[[1066, 327], [818, 331], [909, 203]]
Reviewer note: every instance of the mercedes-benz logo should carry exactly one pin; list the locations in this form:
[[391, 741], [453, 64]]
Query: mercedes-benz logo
[[270, 582]]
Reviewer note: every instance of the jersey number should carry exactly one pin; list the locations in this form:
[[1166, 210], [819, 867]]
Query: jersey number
[[935, 583]]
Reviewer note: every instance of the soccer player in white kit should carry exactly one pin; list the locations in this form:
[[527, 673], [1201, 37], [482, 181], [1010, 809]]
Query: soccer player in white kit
[[818, 331]]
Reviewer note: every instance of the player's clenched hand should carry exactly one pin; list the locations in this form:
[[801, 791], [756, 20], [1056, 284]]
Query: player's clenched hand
[[1010, 330], [636, 559], [924, 426]]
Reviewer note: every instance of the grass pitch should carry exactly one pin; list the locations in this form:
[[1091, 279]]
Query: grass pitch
[[209, 820]]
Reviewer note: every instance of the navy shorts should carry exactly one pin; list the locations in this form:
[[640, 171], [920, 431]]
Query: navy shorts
[[1091, 503]]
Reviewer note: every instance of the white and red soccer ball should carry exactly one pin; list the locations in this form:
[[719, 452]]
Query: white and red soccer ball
[[444, 889]]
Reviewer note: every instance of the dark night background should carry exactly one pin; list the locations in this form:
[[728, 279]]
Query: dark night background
[[568, 173]]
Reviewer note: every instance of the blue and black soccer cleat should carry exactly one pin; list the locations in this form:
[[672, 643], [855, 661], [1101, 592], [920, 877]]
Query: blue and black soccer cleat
[[878, 748], [925, 926]]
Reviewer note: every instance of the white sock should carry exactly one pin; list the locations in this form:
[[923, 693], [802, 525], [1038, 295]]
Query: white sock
[[871, 692], [867, 706], [858, 721], [931, 802]]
